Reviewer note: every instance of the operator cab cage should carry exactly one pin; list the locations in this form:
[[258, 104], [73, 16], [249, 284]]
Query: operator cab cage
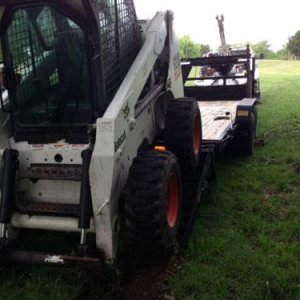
[[220, 77], [64, 61]]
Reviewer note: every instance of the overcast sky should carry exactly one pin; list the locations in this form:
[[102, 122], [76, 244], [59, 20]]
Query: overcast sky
[[245, 21]]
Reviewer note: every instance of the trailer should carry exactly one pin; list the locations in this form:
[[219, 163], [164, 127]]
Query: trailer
[[227, 97], [229, 116]]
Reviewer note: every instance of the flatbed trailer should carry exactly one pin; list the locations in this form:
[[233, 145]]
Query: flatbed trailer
[[229, 115]]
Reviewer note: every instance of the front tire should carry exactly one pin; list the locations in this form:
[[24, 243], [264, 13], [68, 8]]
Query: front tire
[[154, 199]]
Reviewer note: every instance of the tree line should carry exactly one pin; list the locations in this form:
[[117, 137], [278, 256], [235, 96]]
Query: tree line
[[190, 49]]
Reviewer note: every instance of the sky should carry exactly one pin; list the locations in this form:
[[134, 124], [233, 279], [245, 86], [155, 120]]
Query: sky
[[245, 21]]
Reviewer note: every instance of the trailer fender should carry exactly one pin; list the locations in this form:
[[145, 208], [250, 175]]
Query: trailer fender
[[246, 119], [244, 110]]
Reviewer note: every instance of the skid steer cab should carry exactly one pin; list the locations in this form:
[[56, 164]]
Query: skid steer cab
[[97, 142]]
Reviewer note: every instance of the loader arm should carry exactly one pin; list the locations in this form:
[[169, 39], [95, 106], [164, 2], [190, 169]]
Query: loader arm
[[120, 130]]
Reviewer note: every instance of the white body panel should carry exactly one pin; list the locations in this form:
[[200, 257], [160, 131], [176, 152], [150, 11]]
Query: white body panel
[[50, 191]]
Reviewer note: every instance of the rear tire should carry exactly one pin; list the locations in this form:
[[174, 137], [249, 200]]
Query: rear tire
[[248, 142], [183, 131], [255, 113], [153, 201]]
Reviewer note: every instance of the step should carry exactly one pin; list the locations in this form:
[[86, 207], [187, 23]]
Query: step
[[48, 209]]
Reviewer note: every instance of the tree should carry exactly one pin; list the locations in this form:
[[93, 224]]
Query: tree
[[205, 49], [189, 49], [282, 54], [294, 44], [263, 47]]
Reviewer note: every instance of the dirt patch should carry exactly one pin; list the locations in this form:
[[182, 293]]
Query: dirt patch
[[149, 280]]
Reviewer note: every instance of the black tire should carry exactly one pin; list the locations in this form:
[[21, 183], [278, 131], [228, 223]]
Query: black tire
[[183, 131], [257, 90], [255, 114], [153, 201], [191, 196], [248, 141]]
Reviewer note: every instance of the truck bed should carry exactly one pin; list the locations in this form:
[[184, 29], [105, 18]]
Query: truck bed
[[215, 122]]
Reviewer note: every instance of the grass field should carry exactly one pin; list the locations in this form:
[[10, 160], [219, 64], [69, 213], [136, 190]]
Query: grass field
[[246, 242]]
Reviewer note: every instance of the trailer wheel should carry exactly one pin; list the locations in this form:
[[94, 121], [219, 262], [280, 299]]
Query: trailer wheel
[[183, 131], [257, 90], [255, 113], [248, 142], [153, 201], [191, 199]]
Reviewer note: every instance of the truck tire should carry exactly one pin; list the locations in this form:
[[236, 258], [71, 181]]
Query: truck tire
[[248, 142], [183, 131], [153, 200]]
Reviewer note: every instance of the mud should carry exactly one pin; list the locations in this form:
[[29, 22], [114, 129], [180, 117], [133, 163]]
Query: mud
[[148, 279]]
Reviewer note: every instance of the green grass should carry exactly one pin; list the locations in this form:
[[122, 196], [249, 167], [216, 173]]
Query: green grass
[[38, 283], [246, 243]]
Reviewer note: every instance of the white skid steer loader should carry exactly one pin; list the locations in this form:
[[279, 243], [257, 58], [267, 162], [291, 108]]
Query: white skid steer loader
[[96, 138]]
